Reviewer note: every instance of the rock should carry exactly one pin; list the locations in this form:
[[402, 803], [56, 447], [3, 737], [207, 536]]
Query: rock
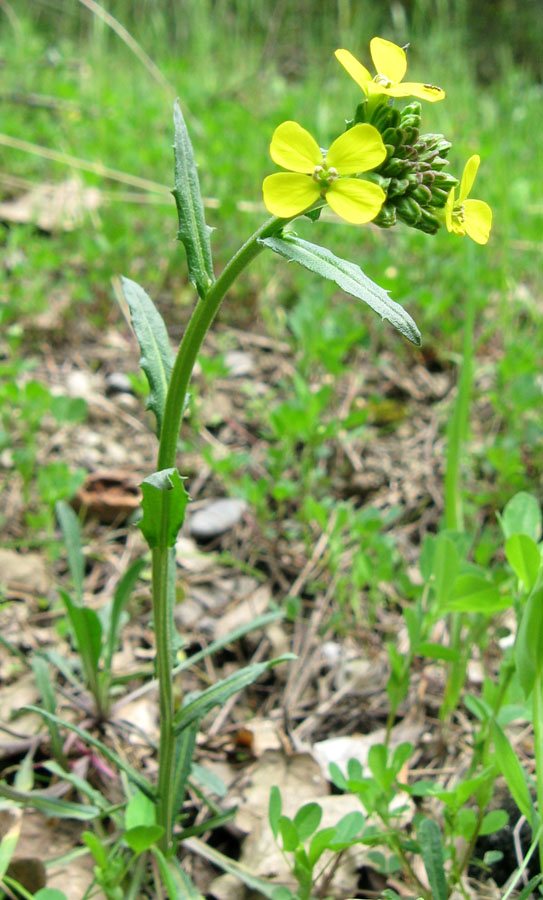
[[25, 571], [118, 383], [216, 518], [239, 363]]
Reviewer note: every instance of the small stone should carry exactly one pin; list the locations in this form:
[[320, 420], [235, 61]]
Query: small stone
[[118, 383], [239, 363], [216, 518]]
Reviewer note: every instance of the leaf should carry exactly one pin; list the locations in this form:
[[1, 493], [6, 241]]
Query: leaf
[[348, 276], [47, 693], [529, 643], [348, 828], [307, 820], [437, 651], [289, 834], [113, 757], [319, 843], [176, 881], [474, 594], [51, 806], [522, 515], [50, 894], [217, 694], [239, 871], [140, 810], [122, 594], [431, 850], [193, 231], [164, 502], [494, 820], [274, 809], [11, 820], [208, 780], [87, 630], [141, 837], [445, 567], [71, 532], [511, 769], [524, 557], [184, 754], [156, 358]]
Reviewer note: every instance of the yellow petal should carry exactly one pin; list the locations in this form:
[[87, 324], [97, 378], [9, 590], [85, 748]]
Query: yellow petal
[[355, 69], [357, 150], [286, 194], [354, 200], [449, 206], [429, 92], [468, 177], [389, 59], [292, 147], [477, 220]]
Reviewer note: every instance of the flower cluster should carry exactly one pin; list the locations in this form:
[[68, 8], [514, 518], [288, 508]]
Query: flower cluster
[[381, 169]]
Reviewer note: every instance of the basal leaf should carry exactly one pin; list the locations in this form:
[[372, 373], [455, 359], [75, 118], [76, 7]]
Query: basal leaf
[[71, 532], [348, 276], [193, 231], [431, 849], [164, 502], [156, 358]]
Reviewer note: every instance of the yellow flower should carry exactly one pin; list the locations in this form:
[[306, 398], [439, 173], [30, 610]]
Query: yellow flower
[[390, 62], [315, 173], [471, 217]]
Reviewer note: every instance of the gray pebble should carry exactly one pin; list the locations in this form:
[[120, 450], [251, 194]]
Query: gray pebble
[[118, 383], [216, 518]]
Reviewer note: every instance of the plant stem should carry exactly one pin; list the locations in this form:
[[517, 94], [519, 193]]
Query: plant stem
[[163, 556], [538, 753]]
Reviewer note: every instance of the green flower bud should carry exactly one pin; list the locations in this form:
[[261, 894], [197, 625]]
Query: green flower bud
[[386, 217], [361, 113], [408, 210], [412, 111], [385, 116], [398, 187], [422, 195], [394, 167], [439, 196], [392, 136], [428, 222], [377, 178]]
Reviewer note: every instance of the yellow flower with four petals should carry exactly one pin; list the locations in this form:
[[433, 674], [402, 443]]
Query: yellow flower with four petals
[[390, 62], [464, 216], [315, 173]]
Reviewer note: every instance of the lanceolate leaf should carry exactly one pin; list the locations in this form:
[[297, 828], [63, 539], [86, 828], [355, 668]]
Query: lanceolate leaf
[[348, 276], [431, 849], [71, 532], [193, 231], [156, 354]]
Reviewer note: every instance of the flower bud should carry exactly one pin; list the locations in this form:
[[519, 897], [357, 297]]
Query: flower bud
[[408, 210], [386, 217]]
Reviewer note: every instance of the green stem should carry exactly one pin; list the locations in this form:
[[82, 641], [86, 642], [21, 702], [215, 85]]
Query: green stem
[[538, 753], [163, 559]]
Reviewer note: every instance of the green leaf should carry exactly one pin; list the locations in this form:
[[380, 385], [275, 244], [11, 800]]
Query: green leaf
[[289, 834], [140, 810], [176, 881], [511, 769], [522, 515], [156, 358], [96, 848], [474, 594], [122, 594], [9, 838], [307, 820], [348, 828], [50, 894], [48, 698], [60, 809], [164, 502], [87, 630], [494, 820], [348, 276], [184, 754], [193, 231], [239, 871], [217, 694], [437, 651], [529, 643], [431, 850], [141, 837], [113, 757], [524, 557], [319, 843], [208, 780], [275, 807], [71, 532]]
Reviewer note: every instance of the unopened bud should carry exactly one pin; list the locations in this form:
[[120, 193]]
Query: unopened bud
[[408, 210], [428, 222], [422, 195], [386, 217], [398, 187], [392, 136], [439, 196]]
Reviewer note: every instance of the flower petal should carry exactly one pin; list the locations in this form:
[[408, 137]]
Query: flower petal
[[357, 150], [388, 59], [429, 92], [355, 200], [449, 206], [468, 177], [355, 69], [477, 220], [292, 147], [286, 194]]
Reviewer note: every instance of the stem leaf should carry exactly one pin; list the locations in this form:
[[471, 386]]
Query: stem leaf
[[164, 502], [348, 276], [156, 358], [193, 231], [431, 849], [511, 769]]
